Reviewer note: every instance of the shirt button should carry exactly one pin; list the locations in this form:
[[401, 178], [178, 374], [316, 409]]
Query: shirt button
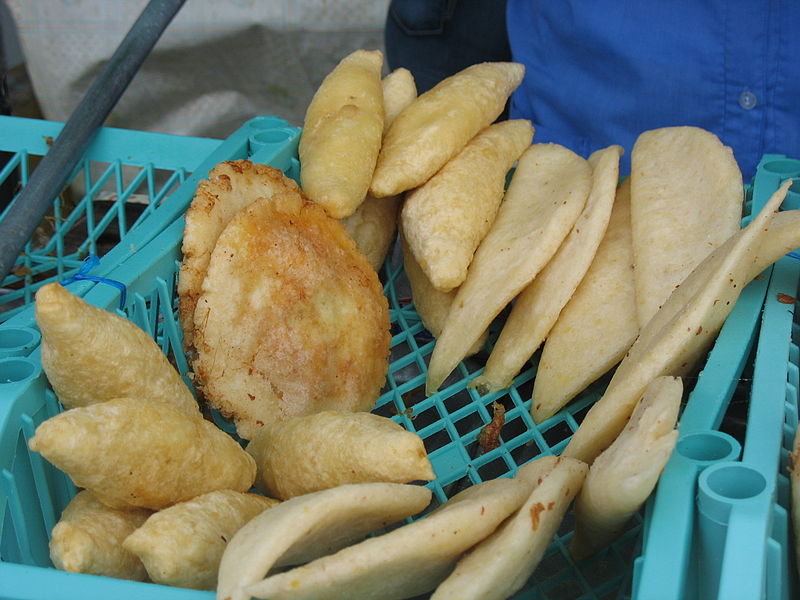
[[748, 100]]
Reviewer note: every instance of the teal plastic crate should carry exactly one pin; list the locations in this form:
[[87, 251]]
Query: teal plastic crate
[[33, 493], [718, 525], [125, 190]]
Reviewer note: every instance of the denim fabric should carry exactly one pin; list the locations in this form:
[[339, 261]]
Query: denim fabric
[[437, 38]]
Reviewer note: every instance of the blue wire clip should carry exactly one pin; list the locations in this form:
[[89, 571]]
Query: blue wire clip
[[89, 263]]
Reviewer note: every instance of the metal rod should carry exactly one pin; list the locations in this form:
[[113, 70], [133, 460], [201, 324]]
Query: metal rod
[[21, 220]]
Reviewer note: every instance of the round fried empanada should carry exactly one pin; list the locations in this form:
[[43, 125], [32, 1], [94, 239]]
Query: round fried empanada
[[230, 186], [292, 319]]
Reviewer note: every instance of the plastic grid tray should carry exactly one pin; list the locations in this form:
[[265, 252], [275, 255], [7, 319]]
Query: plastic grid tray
[[448, 421], [114, 201], [121, 179], [718, 525]]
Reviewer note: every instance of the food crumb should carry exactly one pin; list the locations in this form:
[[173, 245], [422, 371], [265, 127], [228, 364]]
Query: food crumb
[[489, 437], [786, 299]]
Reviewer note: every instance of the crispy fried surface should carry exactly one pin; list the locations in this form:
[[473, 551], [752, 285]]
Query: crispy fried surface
[[342, 134], [445, 219], [230, 186], [135, 452], [292, 318], [91, 355], [440, 122], [88, 539], [320, 451], [500, 565], [373, 226], [686, 200], [182, 545]]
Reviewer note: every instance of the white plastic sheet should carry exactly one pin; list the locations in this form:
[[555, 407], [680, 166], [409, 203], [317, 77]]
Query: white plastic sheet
[[219, 63]]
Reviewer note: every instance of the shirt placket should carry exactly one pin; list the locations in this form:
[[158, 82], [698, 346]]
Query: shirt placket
[[746, 48]]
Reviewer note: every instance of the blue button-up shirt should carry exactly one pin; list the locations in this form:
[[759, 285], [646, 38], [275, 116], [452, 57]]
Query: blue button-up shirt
[[600, 72]]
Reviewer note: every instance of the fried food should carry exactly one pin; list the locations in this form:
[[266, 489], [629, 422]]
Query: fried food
[[431, 305], [399, 90], [678, 335], [407, 561], [537, 307], [292, 319], [322, 450], [445, 219], [624, 475], [440, 122], [374, 223], [310, 526], [141, 453], [530, 226], [686, 200], [230, 186], [502, 563], [182, 545], [373, 227], [342, 134], [88, 539], [597, 326], [91, 355]]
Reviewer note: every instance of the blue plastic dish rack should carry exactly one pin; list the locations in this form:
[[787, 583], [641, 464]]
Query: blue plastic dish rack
[[116, 192], [33, 493], [718, 526]]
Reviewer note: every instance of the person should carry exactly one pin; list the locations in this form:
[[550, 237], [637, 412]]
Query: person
[[437, 38], [600, 72]]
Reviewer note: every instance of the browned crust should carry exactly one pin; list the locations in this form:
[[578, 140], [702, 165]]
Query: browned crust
[[230, 186], [321, 339]]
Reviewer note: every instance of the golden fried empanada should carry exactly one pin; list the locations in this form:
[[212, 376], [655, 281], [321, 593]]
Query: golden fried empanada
[[431, 305], [686, 200], [407, 561], [399, 90], [182, 545], [537, 307], [598, 324], [373, 226], [624, 475], [230, 186], [135, 452], [502, 563], [440, 122], [319, 451], [446, 218], [310, 526], [91, 355], [88, 539], [292, 319], [342, 134], [374, 223], [679, 334], [546, 194]]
